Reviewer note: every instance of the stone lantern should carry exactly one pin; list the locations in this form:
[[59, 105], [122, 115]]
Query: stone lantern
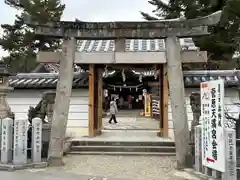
[[49, 101], [5, 110]]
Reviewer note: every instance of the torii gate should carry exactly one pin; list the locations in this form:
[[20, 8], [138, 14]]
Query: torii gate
[[170, 30]]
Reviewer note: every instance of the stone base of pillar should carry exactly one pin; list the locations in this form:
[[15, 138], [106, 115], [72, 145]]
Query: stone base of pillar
[[55, 161]]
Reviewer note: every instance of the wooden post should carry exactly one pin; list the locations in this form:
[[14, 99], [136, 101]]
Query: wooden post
[[62, 102], [100, 100], [91, 100], [95, 100], [164, 100], [177, 96]]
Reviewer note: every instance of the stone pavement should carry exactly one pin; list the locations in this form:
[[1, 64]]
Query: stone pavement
[[127, 136], [131, 119], [132, 122]]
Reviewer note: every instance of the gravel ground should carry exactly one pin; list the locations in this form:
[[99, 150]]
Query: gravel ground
[[125, 167]]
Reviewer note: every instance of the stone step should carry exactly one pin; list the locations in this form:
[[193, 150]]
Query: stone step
[[126, 132], [163, 149], [90, 142], [122, 153]]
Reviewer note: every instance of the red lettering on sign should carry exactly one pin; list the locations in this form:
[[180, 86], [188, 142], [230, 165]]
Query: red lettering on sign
[[210, 160]]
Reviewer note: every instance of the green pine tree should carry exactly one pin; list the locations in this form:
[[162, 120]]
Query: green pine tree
[[20, 40], [223, 41]]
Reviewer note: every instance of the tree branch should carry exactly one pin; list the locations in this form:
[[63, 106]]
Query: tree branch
[[229, 117], [14, 3], [147, 16]]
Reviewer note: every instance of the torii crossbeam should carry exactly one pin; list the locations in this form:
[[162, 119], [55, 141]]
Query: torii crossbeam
[[128, 30]]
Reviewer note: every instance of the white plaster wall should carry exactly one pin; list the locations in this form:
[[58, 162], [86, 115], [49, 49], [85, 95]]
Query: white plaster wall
[[231, 97], [20, 100]]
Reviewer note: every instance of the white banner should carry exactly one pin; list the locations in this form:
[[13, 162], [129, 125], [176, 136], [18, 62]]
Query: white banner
[[212, 114]]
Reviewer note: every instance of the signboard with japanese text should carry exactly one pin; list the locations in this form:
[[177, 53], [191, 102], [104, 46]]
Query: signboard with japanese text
[[212, 114]]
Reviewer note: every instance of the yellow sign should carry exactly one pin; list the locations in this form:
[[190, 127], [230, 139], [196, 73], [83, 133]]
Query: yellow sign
[[147, 105]]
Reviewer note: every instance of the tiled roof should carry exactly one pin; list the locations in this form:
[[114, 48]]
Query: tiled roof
[[108, 46], [194, 78], [80, 80], [131, 45], [45, 80]]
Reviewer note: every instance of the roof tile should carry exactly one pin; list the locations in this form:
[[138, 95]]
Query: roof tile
[[80, 80], [131, 45]]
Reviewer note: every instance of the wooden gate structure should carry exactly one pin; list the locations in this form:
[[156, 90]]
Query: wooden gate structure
[[169, 62]]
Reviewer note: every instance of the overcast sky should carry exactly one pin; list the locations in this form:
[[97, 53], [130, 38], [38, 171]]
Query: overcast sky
[[90, 10]]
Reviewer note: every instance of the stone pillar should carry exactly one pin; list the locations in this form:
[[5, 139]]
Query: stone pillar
[[20, 142], [36, 140], [231, 156], [7, 140], [198, 148], [178, 104], [62, 102]]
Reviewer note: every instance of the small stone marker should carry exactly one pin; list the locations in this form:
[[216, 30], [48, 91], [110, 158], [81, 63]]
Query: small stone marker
[[6, 140], [20, 142], [231, 160], [198, 148], [36, 140]]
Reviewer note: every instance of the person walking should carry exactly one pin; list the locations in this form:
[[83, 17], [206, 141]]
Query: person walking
[[113, 111]]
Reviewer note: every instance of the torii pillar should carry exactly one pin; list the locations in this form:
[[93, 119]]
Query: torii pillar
[[170, 30], [62, 102]]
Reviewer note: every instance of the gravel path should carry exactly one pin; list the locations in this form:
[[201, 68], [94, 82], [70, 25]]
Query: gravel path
[[126, 167]]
